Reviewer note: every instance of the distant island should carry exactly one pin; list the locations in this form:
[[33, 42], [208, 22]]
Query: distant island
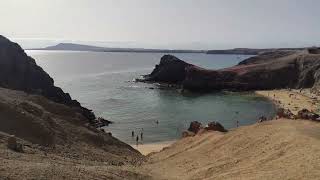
[[81, 47]]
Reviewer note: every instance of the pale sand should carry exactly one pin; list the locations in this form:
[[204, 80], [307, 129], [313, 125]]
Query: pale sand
[[146, 149], [276, 150], [294, 100]]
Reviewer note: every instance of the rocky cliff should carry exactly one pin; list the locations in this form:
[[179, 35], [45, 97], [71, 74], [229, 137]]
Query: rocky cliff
[[20, 72], [270, 70], [44, 134]]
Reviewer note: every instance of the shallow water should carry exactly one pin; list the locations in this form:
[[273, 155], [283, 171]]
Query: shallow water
[[103, 82]]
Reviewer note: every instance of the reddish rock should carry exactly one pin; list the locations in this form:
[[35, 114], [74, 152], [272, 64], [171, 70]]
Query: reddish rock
[[215, 126], [195, 127], [306, 114], [271, 70], [285, 113]]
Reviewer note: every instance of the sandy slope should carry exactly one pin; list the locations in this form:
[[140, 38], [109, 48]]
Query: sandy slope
[[37, 164], [279, 149], [57, 143]]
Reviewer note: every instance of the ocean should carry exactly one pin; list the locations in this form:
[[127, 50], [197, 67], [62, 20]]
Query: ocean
[[104, 82]]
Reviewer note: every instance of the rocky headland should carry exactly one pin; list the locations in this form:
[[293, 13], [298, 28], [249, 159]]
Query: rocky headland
[[19, 71], [44, 134], [270, 70]]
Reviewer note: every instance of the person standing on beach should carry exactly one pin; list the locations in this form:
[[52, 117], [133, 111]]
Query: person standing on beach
[[137, 139], [141, 136], [132, 133]]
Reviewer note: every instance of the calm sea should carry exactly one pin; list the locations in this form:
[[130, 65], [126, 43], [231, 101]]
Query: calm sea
[[103, 82]]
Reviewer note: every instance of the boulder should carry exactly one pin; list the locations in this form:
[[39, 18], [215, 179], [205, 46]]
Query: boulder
[[215, 126], [195, 127], [14, 145], [306, 114], [285, 113]]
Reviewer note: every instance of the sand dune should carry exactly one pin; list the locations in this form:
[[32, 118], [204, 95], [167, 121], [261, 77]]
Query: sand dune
[[278, 149]]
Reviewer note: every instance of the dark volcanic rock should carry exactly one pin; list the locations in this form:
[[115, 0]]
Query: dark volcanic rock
[[306, 114], [270, 70], [195, 127], [285, 113], [170, 70], [18, 71], [215, 126]]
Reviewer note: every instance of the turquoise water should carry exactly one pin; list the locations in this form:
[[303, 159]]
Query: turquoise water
[[103, 82]]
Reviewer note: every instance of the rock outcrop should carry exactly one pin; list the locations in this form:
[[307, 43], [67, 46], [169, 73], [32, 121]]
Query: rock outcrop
[[196, 127], [170, 70], [215, 126], [18, 71], [306, 114], [271, 70], [285, 113]]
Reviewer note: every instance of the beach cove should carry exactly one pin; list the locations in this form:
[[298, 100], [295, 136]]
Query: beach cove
[[105, 85]]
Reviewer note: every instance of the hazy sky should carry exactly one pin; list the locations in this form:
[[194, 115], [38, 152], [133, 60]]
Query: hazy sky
[[206, 24]]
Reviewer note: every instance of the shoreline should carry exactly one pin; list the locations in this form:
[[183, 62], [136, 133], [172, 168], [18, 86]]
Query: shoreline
[[294, 100], [149, 148]]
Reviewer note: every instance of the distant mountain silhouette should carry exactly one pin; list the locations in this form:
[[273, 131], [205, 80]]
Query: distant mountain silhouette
[[81, 47]]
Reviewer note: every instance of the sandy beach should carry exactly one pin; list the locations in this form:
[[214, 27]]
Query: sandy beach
[[294, 100], [279, 148], [146, 149]]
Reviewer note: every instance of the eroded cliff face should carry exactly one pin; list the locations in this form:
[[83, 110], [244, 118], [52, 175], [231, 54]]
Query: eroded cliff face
[[20, 72], [271, 70]]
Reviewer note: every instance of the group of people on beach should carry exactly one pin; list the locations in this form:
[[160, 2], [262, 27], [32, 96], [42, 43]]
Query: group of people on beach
[[137, 137], [141, 135]]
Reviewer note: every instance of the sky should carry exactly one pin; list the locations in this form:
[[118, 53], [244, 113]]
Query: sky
[[188, 24]]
